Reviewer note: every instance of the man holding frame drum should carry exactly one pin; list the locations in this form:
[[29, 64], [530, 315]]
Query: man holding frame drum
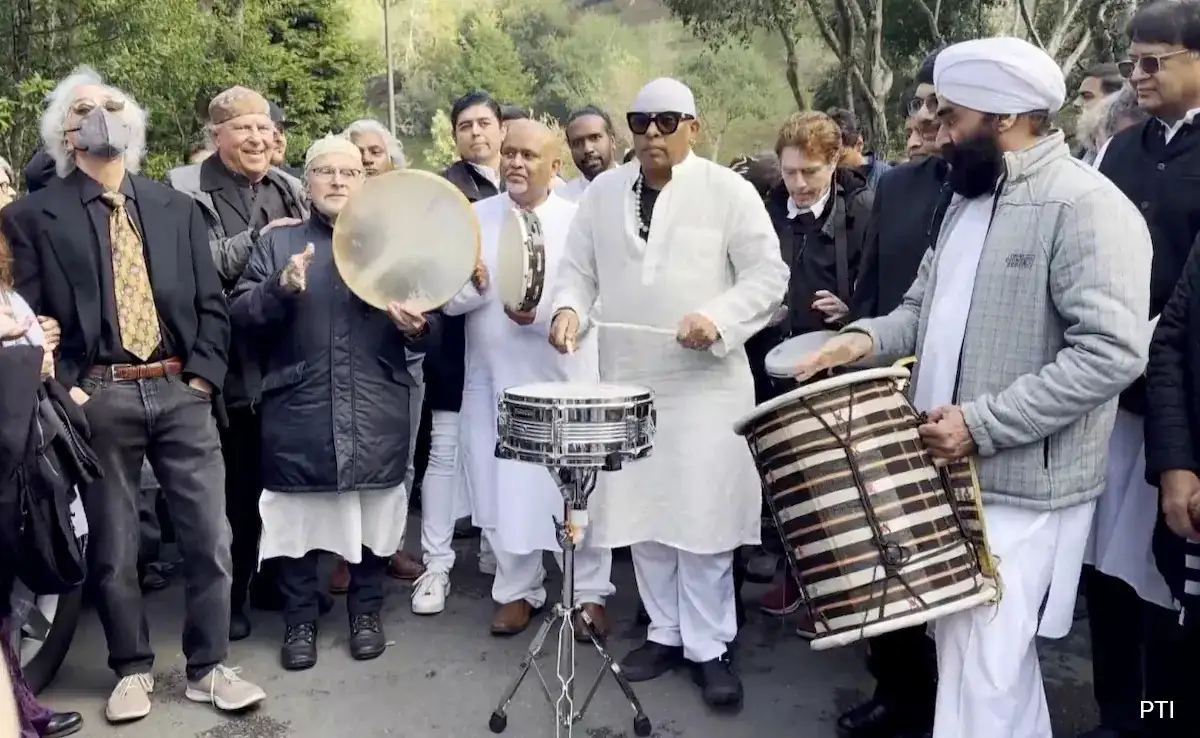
[[1027, 376]]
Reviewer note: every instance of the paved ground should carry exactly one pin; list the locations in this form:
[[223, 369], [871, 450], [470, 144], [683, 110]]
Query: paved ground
[[442, 677]]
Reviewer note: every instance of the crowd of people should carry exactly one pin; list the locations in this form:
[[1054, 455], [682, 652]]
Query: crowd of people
[[1046, 294]]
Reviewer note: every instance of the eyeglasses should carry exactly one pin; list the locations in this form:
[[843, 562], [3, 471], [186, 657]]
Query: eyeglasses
[[325, 174], [666, 123], [83, 107], [1150, 64], [929, 104]]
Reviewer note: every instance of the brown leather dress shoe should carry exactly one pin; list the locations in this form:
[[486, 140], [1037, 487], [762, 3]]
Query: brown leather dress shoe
[[599, 620], [512, 618], [405, 567], [339, 583]]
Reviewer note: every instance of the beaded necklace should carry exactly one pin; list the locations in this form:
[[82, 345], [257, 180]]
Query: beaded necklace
[[642, 221]]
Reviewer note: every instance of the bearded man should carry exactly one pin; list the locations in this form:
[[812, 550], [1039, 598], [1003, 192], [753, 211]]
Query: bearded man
[[513, 502], [1027, 320], [381, 151], [593, 143]]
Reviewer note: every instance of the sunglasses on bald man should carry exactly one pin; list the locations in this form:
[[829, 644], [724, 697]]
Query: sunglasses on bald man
[[666, 123]]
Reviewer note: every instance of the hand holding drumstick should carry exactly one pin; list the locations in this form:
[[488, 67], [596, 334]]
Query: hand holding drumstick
[[564, 331]]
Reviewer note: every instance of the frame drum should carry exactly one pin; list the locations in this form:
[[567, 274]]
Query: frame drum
[[782, 360], [879, 536], [408, 236], [521, 261]]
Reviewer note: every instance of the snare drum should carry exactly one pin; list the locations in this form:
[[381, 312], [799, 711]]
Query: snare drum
[[576, 425], [521, 261], [878, 536]]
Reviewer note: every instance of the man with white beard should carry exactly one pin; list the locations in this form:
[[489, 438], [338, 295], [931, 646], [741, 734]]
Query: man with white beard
[[513, 502]]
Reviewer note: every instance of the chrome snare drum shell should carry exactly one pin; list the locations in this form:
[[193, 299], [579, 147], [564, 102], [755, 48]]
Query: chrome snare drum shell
[[576, 425]]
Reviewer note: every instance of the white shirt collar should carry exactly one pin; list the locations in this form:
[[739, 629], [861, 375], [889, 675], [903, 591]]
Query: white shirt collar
[[817, 208], [490, 174], [1170, 129]]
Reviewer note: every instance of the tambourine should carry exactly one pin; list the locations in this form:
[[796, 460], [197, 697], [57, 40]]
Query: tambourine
[[521, 261]]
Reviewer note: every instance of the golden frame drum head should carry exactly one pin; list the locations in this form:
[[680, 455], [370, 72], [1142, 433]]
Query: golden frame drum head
[[409, 237]]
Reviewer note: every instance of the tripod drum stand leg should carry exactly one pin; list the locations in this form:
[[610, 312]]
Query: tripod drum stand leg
[[576, 485]]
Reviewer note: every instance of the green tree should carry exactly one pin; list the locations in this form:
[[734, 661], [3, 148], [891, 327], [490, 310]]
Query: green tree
[[442, 152], [730, 85], [482, 56]]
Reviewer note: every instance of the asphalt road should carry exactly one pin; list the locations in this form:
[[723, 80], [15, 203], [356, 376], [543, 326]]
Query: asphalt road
[[442, 676]]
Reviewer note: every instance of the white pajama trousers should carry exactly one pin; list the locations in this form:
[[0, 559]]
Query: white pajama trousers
[[416, 402], [689, 598], [521, 576], [989, 677], [439, 491]]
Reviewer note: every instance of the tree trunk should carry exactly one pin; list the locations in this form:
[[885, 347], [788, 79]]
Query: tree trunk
[[793, 64]]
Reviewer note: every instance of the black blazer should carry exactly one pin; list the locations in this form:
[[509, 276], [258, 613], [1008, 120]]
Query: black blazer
[[56, 269]]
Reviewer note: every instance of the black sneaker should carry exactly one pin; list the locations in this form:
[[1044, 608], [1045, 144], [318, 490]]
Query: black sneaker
[[721, 688], [366, 637], [239, 625], [650, 661], [299, 650]]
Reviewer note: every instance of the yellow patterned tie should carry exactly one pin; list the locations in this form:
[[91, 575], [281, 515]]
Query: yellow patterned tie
[[136, 314]]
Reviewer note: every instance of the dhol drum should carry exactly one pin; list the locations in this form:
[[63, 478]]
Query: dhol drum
[[879, 537], [521, 261], [576, 425]]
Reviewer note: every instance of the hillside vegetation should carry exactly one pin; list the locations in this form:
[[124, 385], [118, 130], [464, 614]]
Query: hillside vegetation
[[556, 55]]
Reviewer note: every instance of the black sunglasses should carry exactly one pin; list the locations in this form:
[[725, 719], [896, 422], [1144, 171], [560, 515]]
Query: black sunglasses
[[1150, 64], [666, 123]]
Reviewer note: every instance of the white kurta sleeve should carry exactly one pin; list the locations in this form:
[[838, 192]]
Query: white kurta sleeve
[[577, 285], [467, 300], [760, 274]]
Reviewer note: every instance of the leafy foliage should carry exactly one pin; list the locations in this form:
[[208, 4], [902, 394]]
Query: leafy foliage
[[172, 56]]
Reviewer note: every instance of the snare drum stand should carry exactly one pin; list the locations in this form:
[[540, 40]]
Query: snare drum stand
[[576, 486]]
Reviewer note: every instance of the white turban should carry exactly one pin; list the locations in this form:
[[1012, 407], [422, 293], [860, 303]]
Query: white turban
[[665, 95], [331, 144], [1004, 76]]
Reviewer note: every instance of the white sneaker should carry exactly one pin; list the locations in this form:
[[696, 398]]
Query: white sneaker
[[225, 690], [130, 699], [430, 592]]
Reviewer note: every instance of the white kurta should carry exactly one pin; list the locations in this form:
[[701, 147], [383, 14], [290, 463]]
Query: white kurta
[[712, 250], [338, 522], [989, 679], [513, 501], [574, 189]]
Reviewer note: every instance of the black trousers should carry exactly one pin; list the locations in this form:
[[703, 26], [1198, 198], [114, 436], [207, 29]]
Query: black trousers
[[1136, 656], [904, 664], [172, 425], [301, 588], [241, 446]]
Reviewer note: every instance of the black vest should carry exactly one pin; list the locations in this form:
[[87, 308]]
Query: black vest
[[1163, 180]]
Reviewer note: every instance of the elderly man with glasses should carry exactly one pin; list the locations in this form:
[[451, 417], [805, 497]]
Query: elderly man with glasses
[[335, 412]]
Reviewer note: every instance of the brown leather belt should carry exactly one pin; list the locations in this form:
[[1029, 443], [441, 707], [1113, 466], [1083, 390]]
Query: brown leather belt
[[132, 372]]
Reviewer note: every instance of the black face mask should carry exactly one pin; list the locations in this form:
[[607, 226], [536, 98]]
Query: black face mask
[[975, 164]]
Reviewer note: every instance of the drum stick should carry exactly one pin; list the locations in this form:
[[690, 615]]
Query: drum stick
[[636, 327]]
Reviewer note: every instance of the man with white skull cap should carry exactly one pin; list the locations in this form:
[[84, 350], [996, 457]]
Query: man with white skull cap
[[335, 412], [1052, 264], [673, 243]]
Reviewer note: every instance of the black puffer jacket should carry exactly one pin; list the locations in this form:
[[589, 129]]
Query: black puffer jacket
[[335, 390], [1173, 420]]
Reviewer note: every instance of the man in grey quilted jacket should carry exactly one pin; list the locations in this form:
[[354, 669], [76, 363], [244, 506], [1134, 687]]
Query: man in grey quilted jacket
[[1027, 319]]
